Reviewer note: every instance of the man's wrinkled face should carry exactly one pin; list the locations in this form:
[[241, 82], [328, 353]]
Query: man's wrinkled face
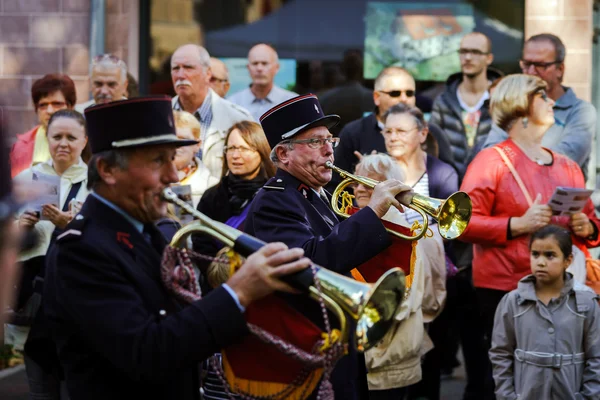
[[190, 78], [150, 170], [307, 163], [108, 84]]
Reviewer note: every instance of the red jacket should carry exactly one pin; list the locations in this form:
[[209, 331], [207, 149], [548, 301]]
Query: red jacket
[[499, 263], [21, 153]]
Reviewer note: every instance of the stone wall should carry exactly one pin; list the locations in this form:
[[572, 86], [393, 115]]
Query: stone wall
[[572, 21], [39, 37]]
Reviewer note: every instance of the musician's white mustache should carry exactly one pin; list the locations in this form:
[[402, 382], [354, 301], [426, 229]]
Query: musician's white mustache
[[182, 82]]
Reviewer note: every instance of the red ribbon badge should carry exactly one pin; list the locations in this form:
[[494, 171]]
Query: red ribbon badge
[[123, 237]]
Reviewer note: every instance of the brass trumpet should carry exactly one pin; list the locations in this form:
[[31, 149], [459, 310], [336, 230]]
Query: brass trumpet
[[372, 306], [452, 214]]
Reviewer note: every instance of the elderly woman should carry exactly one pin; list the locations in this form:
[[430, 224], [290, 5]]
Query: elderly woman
[[67, 139], [49, 94], [405, 133], [510, 185], [190, 168], [396, 362]]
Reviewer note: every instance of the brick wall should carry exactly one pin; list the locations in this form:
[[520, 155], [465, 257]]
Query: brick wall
[[39, 37], [572, 21], [117, 28]]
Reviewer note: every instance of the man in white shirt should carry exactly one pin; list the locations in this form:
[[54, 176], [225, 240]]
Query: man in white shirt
[[263, 94], [191, 74]]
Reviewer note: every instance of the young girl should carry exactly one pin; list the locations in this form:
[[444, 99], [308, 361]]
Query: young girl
[[546, 340]]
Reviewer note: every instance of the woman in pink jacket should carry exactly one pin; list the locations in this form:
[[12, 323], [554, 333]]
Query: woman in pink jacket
[[506, 212]]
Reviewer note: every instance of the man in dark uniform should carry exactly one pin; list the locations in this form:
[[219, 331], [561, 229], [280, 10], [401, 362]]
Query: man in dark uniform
[[119, 332], [292, 207]]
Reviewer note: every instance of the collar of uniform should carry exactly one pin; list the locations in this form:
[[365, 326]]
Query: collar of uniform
[[567, 100], [293, 182], [136, 224]]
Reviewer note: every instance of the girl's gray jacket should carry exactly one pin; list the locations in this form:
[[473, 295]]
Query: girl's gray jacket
[[547, 352]]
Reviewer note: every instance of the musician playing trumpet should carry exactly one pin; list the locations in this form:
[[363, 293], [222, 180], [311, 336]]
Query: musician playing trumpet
[[293, 208], [119, 332]]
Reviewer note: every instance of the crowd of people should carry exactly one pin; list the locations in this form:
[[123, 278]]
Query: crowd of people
[[101, 308]]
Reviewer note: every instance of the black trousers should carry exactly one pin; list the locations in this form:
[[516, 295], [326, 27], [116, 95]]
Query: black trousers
[[488, 300]]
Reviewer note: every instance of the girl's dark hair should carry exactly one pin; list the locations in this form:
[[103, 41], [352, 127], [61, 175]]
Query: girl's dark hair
[[562, 236], [86, 154]]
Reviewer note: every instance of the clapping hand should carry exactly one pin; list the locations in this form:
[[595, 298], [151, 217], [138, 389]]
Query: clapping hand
[[59, 218]]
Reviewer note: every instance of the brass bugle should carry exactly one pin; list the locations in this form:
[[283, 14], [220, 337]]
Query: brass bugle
[[372, 306], [452, 214]]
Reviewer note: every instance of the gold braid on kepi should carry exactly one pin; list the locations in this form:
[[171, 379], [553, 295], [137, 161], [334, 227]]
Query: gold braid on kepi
[[281, 335]]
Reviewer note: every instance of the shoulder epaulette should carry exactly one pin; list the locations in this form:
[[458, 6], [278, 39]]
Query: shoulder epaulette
[[275, 184], [74, 229]]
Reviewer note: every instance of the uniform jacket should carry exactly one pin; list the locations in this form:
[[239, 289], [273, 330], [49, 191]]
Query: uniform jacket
[[499, 262], [568, 325], [224, 115], [21, 153], [447, 114], [288, 211], [119, 333]]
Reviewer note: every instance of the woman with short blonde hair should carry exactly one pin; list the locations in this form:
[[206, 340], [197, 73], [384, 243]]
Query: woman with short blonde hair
[[510, 185], [184, 119]]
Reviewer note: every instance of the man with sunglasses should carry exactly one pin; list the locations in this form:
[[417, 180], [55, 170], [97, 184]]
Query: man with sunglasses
[[462, 109], [393, 85], [575, 119], [219, 81], [293, 208], [108, 80]]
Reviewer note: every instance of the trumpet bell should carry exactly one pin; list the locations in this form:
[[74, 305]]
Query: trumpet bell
[[372, 306], [452, 214]]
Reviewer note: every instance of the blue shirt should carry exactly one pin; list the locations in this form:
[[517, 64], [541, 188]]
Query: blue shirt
[[258, 107], [140, 228]]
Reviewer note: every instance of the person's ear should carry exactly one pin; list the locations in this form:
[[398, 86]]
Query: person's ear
[[561, 67], [568, 261], [107, 173], [376, 97], [490, 59], [423, 135], [282, 154]]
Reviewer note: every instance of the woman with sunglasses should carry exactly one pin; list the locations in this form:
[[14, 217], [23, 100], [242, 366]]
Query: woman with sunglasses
[[510, 185]]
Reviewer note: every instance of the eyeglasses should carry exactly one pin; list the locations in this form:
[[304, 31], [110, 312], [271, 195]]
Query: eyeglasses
[[525, 64], [398, 93], [215, 79], [316, 143], [243, 150], [399, 132], [473, 52]]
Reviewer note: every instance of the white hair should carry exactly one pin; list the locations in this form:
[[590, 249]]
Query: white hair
[[380, 164], [109, 61]]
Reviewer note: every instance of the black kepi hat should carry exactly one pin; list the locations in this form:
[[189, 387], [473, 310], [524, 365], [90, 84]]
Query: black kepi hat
[[293, 117], [142, 121]]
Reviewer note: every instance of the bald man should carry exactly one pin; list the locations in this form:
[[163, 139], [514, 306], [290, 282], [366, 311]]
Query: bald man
[[191, 74], [219, 81], [263, 94], [462, 110]]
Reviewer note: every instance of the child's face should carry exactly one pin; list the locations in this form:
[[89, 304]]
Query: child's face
[[548, 262]]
